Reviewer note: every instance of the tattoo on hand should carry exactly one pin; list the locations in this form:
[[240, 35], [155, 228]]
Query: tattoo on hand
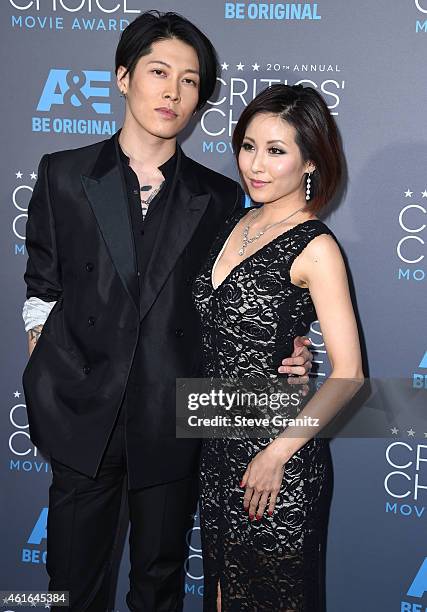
[[35, 333]]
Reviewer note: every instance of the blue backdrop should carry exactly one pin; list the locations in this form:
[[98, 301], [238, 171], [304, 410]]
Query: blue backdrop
[[368, 60]]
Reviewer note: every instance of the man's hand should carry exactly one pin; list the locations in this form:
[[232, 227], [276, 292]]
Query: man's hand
[[299, 363], [33, 336]]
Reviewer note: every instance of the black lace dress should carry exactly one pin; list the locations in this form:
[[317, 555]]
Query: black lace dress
[[249, 323]]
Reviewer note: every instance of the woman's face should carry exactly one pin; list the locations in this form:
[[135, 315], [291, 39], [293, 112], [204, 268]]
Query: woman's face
[[270, 160]]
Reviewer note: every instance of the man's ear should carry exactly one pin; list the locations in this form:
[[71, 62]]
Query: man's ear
[[122, 80]]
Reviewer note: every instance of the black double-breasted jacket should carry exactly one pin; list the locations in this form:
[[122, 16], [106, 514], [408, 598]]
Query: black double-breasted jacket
[[82, 255]]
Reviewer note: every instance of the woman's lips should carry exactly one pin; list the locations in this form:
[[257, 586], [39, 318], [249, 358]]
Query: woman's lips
[[167, 113], [256, 184]]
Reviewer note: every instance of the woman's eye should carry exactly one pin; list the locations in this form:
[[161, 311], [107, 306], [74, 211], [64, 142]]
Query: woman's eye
[[246, 146], [191, 82], [276, 151]]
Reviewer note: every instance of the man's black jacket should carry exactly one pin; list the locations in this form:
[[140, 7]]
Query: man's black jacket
[[81, 254]]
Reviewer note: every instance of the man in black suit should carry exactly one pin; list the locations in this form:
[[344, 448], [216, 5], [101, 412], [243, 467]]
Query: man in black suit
[[116, 233]]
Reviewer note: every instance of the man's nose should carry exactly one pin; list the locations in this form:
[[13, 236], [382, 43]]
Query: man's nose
[[172, 92]]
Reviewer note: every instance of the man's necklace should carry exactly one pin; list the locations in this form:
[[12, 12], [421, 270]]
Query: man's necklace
[[152, 194], [247, 240], [145, 201]]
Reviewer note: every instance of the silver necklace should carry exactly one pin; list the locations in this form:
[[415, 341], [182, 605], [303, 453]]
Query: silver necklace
[[145, 203], [247, 240], [152, 194]]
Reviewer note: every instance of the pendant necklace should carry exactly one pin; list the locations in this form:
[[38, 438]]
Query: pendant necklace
[[152, 194], [247, 240], [145, 202]]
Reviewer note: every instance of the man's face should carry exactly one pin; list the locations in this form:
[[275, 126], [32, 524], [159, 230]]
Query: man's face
[[163, 92]]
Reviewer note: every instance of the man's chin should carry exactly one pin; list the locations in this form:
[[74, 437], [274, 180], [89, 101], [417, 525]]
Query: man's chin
[[168, 131], [166, 135]]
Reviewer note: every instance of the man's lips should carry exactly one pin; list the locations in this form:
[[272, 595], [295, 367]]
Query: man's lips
[[168, 113]]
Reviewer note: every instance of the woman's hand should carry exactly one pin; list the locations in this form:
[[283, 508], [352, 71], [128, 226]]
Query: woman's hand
[[263, 479], [299, 364]]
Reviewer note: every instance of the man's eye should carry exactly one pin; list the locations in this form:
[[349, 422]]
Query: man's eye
[[158, 71]]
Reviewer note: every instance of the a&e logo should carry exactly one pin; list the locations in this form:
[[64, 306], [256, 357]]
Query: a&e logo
[[35, 552], [419, 380], [79, 93], [77, 89], [417, 590]]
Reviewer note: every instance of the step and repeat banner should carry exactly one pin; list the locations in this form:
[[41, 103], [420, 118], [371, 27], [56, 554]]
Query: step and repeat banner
[[369, 61]]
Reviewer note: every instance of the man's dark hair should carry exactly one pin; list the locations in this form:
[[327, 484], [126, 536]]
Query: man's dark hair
[[152, 26], [316, 134]]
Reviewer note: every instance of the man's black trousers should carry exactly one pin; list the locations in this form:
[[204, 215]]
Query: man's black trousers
[[82, 530]]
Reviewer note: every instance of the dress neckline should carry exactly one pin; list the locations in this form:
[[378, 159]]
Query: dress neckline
[[252, 255]]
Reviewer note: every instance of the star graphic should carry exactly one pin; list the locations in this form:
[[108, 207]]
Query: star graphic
[[16, 394], [424, 193], [33, 603], [5, 600], [408, 193], [33, 175], [240, 66], [394, 431], [18, 174], [255, 67], [411, 433], [224, 66]]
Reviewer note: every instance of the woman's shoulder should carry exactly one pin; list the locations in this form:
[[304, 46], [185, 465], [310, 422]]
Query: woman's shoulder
[[315, 229], [316, 226], [312, 239], [318, 241]]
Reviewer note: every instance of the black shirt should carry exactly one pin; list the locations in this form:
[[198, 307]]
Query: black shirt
[[145, 231]]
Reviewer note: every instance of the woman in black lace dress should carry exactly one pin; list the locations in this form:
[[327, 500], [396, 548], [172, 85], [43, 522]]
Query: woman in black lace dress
[[275, 269]]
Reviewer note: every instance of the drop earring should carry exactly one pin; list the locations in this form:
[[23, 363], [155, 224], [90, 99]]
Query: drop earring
[[308, 187]]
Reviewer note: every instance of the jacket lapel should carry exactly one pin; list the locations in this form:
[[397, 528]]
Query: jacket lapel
[[106, 192], [184, 209]]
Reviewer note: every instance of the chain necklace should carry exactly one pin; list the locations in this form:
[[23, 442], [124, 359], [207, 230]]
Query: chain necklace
[[145, 203], [152, 194], [247, 240]]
